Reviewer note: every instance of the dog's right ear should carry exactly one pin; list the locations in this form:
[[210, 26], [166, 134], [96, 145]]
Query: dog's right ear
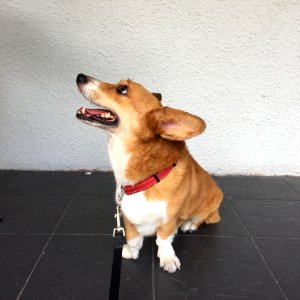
[[158, 96], [174, 124]]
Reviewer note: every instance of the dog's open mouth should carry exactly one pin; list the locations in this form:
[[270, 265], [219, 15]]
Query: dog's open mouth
[[96, 116]]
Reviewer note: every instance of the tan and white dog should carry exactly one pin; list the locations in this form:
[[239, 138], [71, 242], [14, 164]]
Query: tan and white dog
[[146, 138]]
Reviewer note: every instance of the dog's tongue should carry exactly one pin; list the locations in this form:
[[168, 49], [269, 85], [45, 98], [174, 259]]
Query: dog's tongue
[[92, 111], [96, 114]]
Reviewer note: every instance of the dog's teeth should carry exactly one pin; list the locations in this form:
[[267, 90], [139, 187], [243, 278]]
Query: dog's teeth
[[106, 115], [83, 110]]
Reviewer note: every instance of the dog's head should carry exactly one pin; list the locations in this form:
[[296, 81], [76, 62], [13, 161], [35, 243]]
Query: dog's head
[[128, 108]]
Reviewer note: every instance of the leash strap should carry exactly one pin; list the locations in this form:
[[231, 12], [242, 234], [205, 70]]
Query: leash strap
[[116, 266], [119, 239]]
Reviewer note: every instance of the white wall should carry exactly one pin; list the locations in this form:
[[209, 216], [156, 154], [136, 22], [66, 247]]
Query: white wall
[[234, 63]]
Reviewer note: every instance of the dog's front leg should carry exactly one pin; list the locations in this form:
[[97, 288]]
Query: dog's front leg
[[166, 254], [134, 241]]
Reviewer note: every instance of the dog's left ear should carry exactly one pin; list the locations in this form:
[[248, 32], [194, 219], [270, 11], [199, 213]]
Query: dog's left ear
[[174, 124], [157, 95]]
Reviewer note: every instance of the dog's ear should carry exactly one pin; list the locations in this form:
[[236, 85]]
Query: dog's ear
[[157, 95], [174, 124]]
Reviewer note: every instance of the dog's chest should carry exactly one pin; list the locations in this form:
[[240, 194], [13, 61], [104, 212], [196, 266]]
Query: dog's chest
[[144, 214]]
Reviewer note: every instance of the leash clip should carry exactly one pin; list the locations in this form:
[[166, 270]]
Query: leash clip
[[119, 228], [120, 195]]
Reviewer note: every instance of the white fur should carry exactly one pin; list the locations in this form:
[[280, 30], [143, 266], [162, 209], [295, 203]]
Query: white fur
[[132, 248], [145, 215], [189, 225], [88, 88], [166, 254], [119, 158]]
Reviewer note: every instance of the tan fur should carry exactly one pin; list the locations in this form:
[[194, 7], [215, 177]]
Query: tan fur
[[154, 137]]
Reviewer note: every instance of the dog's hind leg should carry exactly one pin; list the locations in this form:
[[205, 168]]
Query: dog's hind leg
[[207, 213], [213, 218], [191, 224]]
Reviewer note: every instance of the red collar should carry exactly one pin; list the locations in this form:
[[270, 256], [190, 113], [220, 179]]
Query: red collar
[[146, 183]]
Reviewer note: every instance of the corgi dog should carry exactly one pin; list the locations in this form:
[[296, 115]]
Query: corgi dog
[[164, 187]]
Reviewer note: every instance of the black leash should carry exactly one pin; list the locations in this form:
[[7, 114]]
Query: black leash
[[119, 239]]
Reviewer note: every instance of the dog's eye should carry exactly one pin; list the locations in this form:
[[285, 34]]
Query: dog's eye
[[122, 89]]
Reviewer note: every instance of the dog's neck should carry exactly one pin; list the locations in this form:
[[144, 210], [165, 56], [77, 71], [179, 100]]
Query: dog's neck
[[140, 160], [119, 158]]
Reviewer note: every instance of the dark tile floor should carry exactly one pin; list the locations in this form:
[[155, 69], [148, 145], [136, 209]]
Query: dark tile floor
[[56, 243]]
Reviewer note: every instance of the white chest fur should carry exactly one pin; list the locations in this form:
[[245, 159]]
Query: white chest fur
[[144, 214], [119, 158]]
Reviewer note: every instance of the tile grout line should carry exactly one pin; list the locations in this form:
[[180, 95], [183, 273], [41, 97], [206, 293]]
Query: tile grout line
[[260, 199], [48, 241], [260, 254], [49, 233], [25, 233], [285, 182], [181, 234], [152, 272], [266, 199]]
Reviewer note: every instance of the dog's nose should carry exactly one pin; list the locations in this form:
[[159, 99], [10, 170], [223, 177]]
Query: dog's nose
[[81, 78]]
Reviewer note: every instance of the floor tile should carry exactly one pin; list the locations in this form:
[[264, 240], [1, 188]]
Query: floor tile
[[98, 183], [254, 187], [293, 182], [219, 261], [282, 255], [89, 214], [230, 224], [267, 218], [79, 267], [6, 176], [31, 214], [216, 268], [43, 183], [18, 254], [137, 274]]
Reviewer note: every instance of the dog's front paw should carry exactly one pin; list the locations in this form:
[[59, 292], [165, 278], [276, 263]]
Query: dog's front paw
[[130, 253], [169, 263]]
